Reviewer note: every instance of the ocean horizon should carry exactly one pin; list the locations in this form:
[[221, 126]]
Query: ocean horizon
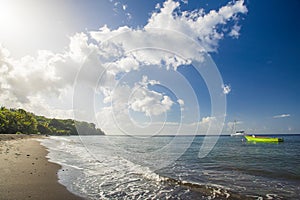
[[196, 135]]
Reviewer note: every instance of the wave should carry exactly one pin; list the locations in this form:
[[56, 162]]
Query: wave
[[211, 191], [106, 175]]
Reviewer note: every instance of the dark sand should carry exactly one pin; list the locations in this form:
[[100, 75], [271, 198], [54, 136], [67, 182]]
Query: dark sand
[[25, 172]]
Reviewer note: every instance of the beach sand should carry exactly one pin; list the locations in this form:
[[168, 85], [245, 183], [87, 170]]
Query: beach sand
[[25, 172]]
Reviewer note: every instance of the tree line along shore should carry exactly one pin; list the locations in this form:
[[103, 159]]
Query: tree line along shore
[[19, 121]]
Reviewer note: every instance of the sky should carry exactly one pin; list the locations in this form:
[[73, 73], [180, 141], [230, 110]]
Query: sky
[[154, 67]]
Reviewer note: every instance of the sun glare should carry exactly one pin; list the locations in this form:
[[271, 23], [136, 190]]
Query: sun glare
[[8, 16]]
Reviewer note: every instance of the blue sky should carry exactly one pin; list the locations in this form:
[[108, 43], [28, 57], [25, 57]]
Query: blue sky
[[263, 66], [258, 62]]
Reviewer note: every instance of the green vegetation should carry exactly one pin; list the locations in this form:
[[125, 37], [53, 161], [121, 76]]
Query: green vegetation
[[17, 121]]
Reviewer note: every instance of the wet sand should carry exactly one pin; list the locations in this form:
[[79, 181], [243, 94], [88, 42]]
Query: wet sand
[[25, 171]]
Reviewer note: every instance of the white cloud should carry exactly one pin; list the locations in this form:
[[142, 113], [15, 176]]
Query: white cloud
[[235, 31], [226, 89], [145, 81], [149, 101], [206, 121], [166, 29], [181, 103], [30, 82], [157, 6], [80, 48], [45, 76], [185, 1], [199, 26], [125, 64], [281, 116]]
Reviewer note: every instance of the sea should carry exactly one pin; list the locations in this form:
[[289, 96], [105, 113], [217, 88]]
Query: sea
[[169, 167]]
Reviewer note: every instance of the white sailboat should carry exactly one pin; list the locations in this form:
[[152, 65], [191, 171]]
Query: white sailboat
[[234, 132]]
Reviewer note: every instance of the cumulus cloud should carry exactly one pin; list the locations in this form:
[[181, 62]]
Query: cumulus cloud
[[281, 116], [32, 81], [181, 103], [45, 76], [235, 31], [197, 24], [204, 122], [125, 64], [150, 102], [167, 29], [141, 99], [226, 89]]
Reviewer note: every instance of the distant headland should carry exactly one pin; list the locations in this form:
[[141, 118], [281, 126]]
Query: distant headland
[[19, 121]]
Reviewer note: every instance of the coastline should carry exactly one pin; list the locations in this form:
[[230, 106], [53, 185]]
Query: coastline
[[25, 171]]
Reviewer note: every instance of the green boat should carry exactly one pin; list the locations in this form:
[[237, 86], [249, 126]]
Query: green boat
[[253, 138]]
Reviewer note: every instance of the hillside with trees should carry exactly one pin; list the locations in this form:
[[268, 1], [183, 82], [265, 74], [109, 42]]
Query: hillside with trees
[[19, 121]]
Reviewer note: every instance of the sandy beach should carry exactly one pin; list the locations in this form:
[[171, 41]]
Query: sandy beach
[[25, 171]]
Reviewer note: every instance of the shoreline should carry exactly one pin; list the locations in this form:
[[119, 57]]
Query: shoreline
[[25, 171]]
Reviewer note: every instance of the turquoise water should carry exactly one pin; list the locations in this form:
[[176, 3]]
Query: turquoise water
[[112, 167]]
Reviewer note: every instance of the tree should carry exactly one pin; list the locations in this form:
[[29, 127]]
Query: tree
[[3, 120], [27, 123], [20, 121]]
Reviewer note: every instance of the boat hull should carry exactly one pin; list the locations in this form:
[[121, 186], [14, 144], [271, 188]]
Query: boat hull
[[236, 134], [262, 139]]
